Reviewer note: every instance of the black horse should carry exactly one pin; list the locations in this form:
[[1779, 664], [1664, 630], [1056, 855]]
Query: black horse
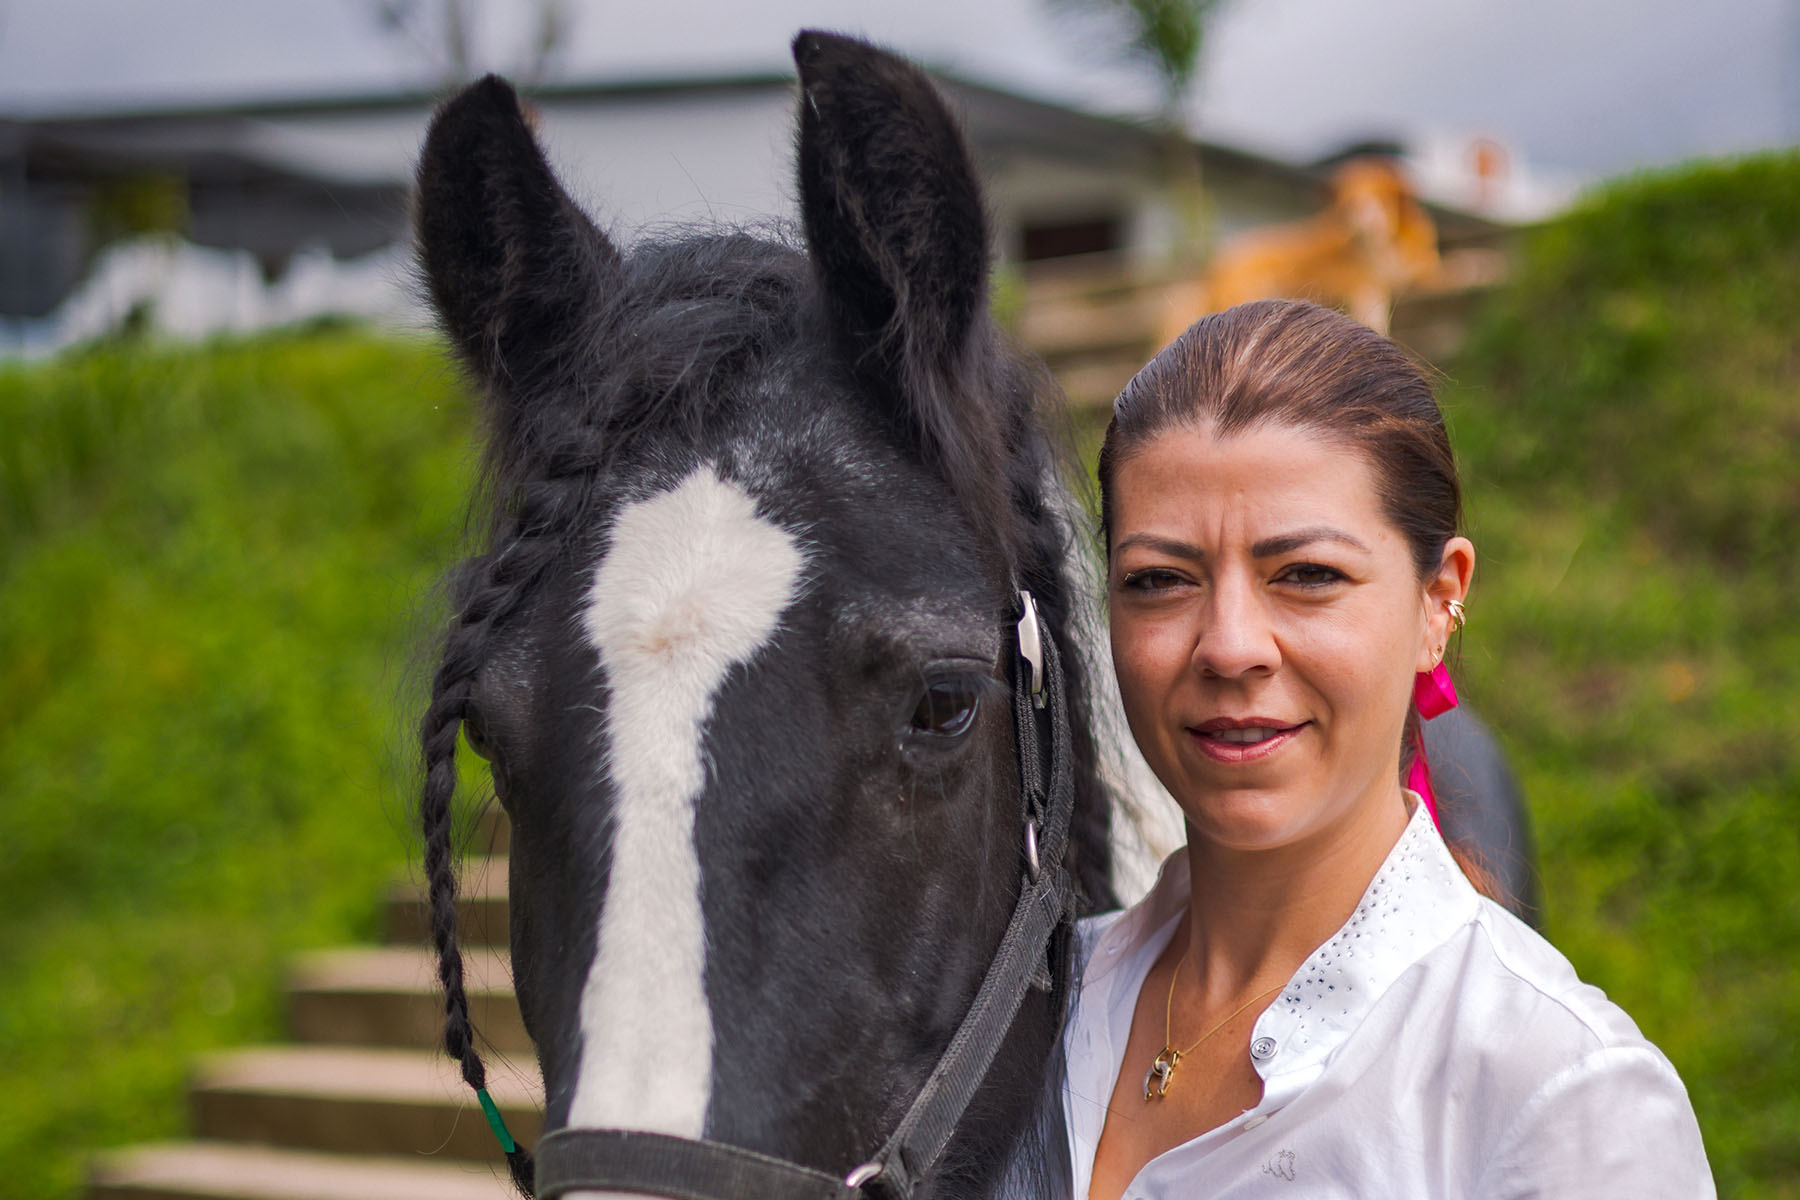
[[739, 645]]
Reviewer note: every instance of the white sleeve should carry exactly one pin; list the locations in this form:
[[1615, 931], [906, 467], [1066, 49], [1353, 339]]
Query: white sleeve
[[1618, 1123]]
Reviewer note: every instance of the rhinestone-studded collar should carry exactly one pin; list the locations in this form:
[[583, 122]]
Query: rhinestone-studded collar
[[1417, 899]]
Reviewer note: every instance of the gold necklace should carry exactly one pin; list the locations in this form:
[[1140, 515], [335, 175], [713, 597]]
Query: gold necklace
[[1162, 1071]]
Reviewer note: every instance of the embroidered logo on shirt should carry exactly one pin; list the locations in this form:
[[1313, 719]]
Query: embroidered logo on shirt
[[1281, 1166]]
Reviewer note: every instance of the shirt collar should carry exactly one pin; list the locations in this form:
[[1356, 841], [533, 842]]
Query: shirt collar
[[1110, 935], [1418, 897]]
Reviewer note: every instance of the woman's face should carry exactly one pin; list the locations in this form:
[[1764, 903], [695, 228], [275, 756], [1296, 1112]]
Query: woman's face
[[1267, 621]]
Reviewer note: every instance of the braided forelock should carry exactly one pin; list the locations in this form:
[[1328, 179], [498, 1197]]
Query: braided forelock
[[532, 529], [437, 735]]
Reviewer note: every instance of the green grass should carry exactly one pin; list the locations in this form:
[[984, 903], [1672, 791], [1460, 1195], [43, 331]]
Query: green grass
[[1628, 416], [209, 562]]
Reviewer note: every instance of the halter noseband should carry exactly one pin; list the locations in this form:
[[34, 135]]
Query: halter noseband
[[657, 1164]]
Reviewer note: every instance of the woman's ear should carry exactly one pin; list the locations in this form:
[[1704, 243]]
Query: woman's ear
[[1449, 585]]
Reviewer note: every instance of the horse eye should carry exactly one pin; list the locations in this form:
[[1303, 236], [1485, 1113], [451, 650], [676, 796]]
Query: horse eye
[[947, 708]]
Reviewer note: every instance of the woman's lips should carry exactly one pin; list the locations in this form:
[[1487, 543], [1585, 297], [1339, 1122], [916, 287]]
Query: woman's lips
[[1239, 740]]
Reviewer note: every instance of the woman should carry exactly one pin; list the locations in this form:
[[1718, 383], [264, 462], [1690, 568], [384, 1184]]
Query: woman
[[1314, 1000]]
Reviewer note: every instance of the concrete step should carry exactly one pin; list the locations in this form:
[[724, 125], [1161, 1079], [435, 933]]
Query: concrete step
[[1087, 277], [1068, 329], [388, 996], [481, 906], [222, 1171], [361, 1101], [1096, 382]]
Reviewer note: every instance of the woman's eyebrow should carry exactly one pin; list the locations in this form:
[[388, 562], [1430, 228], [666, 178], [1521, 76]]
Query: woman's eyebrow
[[1162, 545], [1286, 543]]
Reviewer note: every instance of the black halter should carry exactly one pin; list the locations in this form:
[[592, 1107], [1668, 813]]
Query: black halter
[[656, 1164]]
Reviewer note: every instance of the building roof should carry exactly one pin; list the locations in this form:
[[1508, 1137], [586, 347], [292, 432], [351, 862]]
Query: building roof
[[999, 121]]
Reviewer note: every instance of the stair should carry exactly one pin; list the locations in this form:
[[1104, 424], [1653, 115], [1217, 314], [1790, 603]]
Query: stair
[[355, 1100], [1093, 321], [387, 996], [480, 907], [361, 1105], [226, 1171]]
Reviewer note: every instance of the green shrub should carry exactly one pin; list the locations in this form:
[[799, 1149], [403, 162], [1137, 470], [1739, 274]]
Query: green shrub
[[1628, 416], [1647, 356], [209, 559]]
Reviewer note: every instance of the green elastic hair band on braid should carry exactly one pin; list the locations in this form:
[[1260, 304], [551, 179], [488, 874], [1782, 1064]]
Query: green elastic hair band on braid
[[495, 1122]]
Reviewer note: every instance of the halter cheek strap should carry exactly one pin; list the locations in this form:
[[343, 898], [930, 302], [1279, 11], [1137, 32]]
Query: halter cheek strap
[[1033, 954]]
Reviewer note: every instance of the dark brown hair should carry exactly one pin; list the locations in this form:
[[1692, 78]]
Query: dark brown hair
[[1287, 363]]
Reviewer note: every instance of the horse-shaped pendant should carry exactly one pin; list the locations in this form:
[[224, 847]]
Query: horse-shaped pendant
[[1156, 1080]]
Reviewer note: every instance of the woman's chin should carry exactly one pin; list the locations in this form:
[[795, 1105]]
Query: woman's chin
[[1249, 819]]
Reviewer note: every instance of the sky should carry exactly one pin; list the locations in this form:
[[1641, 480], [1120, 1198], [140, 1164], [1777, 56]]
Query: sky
[[1583, 88]]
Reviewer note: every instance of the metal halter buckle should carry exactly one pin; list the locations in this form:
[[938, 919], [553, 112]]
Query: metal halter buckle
[[1031, 646]]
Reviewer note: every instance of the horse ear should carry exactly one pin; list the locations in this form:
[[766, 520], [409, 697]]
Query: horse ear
[[893, 212], [513, 264]]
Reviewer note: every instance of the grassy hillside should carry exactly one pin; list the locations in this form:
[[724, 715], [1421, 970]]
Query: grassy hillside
[[208, 558], [1628, 415]]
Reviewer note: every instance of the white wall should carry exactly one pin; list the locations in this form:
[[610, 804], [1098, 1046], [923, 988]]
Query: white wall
[[638, 162], [632, 161]]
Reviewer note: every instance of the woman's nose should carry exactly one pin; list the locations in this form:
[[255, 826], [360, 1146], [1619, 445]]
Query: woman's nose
[[1236, 637]]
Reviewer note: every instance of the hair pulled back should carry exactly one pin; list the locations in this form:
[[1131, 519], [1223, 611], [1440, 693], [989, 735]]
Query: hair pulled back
[[1289, 363]]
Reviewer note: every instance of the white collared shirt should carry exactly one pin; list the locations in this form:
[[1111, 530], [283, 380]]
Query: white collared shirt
[[1435, 1046]]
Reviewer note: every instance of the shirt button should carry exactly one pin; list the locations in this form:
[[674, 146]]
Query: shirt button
[[1263, 1049]]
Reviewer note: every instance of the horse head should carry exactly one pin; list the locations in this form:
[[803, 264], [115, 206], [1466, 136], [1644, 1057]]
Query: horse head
[[737, 645]]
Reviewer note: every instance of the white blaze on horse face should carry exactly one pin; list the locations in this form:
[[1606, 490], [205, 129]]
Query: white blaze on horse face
[[693, 584]]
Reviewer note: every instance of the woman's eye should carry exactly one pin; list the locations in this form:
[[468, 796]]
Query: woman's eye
[[1311, 575], [947, 708], [1151, 580]]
